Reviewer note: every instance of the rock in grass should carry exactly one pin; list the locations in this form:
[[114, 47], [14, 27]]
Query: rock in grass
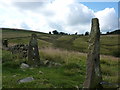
[[50, 63], [47, 62], [40, 72], [57, 64], [27, 79], [14, 75], [23, 66]]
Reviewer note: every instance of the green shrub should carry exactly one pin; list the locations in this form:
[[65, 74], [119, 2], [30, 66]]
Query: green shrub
[[9, 60], [71, 66], [105, 62], [108, 71], [116, 53], [6, 56], [70, 72], [11, 64]]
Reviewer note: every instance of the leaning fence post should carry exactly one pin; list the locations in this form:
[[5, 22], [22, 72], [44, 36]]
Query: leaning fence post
[[93, 71]]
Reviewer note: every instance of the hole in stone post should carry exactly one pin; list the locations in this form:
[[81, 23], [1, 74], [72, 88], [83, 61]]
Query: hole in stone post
[[33, 58], [33, 48], [95, 60]]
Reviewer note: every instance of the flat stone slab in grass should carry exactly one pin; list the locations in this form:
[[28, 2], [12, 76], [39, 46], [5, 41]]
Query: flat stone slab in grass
[[24, 80], [23, 66]]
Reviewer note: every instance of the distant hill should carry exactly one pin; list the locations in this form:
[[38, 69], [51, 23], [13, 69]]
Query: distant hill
[[20, 30], [114, 32], [67, 42]]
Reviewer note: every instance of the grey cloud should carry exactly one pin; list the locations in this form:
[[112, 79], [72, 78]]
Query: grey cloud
[[38, 7], [24, 25], [56, 26], [29, 5], [47, 13]]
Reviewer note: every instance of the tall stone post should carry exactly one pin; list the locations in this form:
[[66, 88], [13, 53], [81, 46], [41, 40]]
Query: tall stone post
[[33, 52], [93, 72]]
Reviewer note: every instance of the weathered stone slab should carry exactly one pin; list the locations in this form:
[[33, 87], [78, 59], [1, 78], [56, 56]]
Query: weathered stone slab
[[33, 52], [24, 80], [93, 74]]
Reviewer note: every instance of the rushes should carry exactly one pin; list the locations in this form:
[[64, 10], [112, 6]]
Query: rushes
[[62, 56], [72, 71], [109, 64]]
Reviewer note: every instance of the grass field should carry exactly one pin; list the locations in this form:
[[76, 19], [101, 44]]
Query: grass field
[[69, 50], [108, 46]]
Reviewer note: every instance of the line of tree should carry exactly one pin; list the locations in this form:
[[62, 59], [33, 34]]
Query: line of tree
[[62, 33], [86, 33], [58, 33]]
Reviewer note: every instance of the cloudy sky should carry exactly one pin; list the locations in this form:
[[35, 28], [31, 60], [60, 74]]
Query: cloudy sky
[[68, 16]]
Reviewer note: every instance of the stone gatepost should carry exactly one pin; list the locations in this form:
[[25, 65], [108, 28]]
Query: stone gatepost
[[33, 52], [93, 72]]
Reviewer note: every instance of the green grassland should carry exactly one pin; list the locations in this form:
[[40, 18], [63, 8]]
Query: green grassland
[[69, 50], [108, 46]]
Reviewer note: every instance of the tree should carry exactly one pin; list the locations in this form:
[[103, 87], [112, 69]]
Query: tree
[[49, 32], [86, 33], [55, 32], [108, 32], [62, 33], [76, 33]]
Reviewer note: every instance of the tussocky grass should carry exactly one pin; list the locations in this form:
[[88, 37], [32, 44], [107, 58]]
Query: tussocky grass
[[70, 75]]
